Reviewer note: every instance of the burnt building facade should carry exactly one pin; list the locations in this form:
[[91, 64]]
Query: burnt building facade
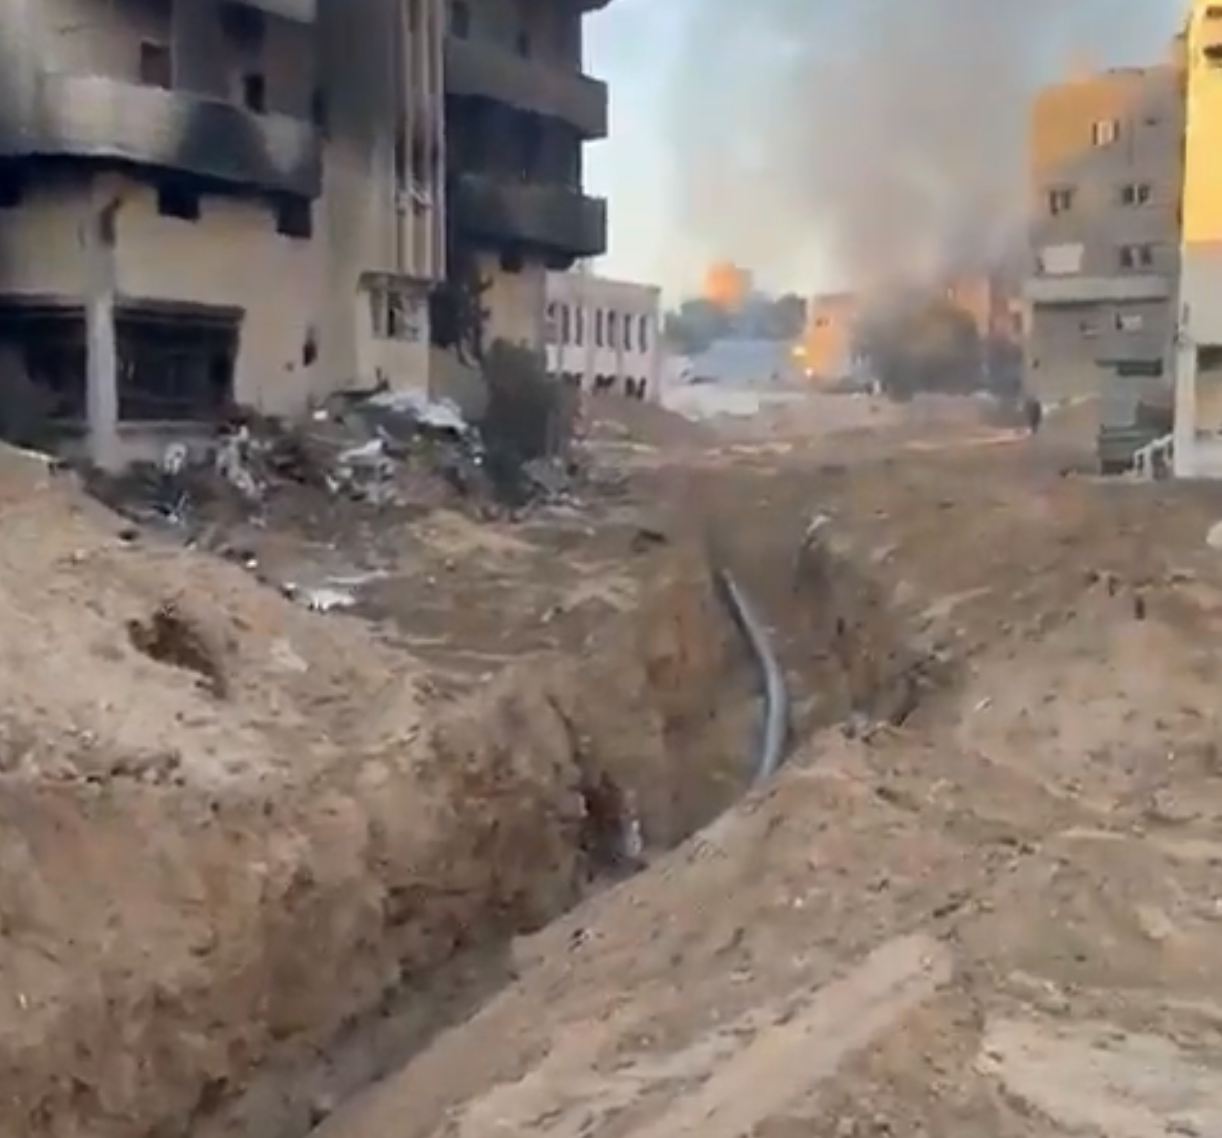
[[205, 202], [208, 202], [518, 112], [1105, 176]]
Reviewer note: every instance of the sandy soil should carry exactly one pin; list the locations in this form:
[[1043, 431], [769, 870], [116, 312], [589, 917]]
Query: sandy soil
[[260, 857], [999, 917]]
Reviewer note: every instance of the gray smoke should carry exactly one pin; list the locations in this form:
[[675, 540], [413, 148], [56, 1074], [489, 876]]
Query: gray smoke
[[887, 135]]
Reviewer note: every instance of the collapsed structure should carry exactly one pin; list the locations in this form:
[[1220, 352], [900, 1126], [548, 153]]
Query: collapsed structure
[[207, 201]]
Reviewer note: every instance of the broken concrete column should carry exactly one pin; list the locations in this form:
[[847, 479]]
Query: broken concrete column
[[102, 366]]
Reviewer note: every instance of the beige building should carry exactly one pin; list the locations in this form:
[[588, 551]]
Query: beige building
[[204, 201], [1105, 163], [604, 335]]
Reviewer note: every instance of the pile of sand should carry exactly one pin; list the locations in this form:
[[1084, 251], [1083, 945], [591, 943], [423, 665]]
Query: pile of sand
[[230, 826], [126, 658]]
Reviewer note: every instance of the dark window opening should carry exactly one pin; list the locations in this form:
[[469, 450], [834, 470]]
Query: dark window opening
[[254, 92], [309, 349], [1209, 357], [178, 201], [156, 68], [460, 19], [174, 369], [1132, 369], [318, 109], [51, 349], [295, 218], [402, 155], [1212, 54], [12, 189], [245, 24]]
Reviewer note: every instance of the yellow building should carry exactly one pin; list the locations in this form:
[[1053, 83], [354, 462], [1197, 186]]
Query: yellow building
[[1198, 364]]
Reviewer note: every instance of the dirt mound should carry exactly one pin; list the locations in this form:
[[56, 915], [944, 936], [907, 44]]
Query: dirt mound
[[995, 913], [990, 923], [234, 797]]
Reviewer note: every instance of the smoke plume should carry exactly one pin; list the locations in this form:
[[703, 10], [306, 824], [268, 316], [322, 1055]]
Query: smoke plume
[[884, 135]]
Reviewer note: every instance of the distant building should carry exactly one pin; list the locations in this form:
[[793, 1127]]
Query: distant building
[[826, 351], [604, 335], [727, 286], [1105, 174]]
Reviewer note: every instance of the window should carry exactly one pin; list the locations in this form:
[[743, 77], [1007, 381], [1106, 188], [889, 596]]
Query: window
[[397, 312], [1060, 201], [579, 329], [1129, 321], [460, 19], [550, 327], [295, 218], [254, 92], [612, 329], [244, 24], [12, 188], [1136, 256], [156, 69], [1136, 193], [177, 201], [599, 337], [566, 325], [1104, 132], [643, 334]]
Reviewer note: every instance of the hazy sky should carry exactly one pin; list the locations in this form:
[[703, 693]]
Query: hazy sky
[[638, 47]]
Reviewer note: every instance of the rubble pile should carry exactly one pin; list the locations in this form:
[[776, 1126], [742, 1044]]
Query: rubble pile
[[382, 452]]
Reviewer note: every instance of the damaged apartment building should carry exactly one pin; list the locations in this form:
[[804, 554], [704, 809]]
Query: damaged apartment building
[[1106, 170], [209, 202]]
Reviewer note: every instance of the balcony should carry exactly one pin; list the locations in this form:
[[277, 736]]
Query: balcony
[[90, 116], [489, 71], [1085, 289], [552, 218]]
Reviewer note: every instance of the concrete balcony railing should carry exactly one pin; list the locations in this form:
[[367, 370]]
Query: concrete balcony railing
[[1086, 289], [553, 218], [91, 116], [489, 71]]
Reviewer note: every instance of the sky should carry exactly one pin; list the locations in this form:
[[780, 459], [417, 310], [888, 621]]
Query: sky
[[631, 44], [637, 46]]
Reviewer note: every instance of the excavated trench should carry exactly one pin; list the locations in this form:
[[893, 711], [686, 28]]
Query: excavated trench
[[312, 940]]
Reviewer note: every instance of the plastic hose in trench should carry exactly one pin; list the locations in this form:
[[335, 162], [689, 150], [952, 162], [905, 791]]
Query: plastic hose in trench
[[774, 733]]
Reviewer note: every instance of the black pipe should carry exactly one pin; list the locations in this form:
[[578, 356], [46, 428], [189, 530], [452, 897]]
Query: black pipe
[[774, 727]]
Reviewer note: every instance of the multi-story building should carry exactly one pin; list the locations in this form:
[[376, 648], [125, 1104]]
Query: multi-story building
[[1105, 174], [518, 112], [1198, 363], [604, 335], [201, 201], [208, 201]]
